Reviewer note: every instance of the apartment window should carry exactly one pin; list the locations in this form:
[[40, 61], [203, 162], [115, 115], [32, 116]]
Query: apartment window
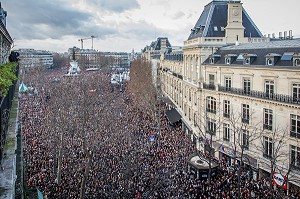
[[296, 92], [226, 132], [295, 126], [297, 62], [246, 85], [245, 113], [211, 79], [245, 139], [269, 88], [211, 126], [295, 157], [226, 111], [268, 147], [211, 105], [268, 119], [228, 83]]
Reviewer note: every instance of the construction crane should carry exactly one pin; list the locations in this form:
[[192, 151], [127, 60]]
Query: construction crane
[[92, 40], [81, 40]]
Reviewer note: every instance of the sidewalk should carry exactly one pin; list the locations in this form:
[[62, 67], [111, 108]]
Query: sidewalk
[[8, 172]]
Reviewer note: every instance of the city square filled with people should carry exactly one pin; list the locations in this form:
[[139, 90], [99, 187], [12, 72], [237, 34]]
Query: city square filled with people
[[84, 125]]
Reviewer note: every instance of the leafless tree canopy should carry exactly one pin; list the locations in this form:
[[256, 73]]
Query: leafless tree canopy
[[141, 86]]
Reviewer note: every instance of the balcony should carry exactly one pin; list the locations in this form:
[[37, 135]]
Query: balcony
[[245, 146], [268, 127], [211, 110], [227, 115], [245, 120], [295, 167], [260, 95], [295, 134], [209, 86], [265, 155]]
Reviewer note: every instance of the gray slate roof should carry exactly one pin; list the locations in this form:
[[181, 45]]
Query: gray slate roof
[[156, 45], [215, 15], [281, 49]]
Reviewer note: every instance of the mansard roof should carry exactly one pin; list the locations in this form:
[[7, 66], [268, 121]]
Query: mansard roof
[[213, 20], [282, 50], [156, 45]]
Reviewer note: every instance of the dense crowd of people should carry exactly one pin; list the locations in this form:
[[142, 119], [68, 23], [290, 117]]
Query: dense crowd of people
[[83, 125]]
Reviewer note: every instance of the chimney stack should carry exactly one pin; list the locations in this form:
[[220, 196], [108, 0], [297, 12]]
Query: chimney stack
[[290, 34], [273, 35], [285, 34], [280, 35]]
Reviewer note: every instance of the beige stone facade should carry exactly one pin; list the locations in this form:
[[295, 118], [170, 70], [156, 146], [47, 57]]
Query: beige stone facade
[[251, 106]]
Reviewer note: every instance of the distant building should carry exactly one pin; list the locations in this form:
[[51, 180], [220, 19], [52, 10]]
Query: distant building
[[88, 58], [35, 58], [118, 59], [153, 51]]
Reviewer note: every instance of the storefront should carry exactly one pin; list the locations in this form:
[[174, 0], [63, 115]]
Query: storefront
[[226, 154]]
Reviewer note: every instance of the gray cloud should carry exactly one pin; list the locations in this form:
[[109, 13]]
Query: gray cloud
[[178, 15], [31, 19], [115, 5]]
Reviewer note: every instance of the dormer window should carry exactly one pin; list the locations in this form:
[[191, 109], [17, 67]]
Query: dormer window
[[269, 62], [247, 61], [230, 58], [272, 58], [214, 58], [249, 58], [297, 62]]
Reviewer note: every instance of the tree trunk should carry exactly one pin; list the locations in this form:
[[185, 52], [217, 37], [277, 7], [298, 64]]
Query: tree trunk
[[209, 161], [239, 174], [58, 177]]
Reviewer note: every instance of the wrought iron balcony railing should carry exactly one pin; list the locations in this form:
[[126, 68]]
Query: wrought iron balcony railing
[[295, 167], [227, 115], [245, 120], [295, 134], [209, 86], [268, 127], [211, 110], [265, 155], [260, 94]]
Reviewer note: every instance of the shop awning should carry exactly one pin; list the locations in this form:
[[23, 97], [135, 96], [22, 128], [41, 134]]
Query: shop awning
[[173, 115]]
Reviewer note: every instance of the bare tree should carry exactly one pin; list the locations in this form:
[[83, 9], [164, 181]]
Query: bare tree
[[142, 88], [273, 146], [209, 125], [243, 132]]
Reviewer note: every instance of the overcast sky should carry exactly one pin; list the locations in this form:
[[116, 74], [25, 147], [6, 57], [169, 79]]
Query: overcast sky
[[123, 25]]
